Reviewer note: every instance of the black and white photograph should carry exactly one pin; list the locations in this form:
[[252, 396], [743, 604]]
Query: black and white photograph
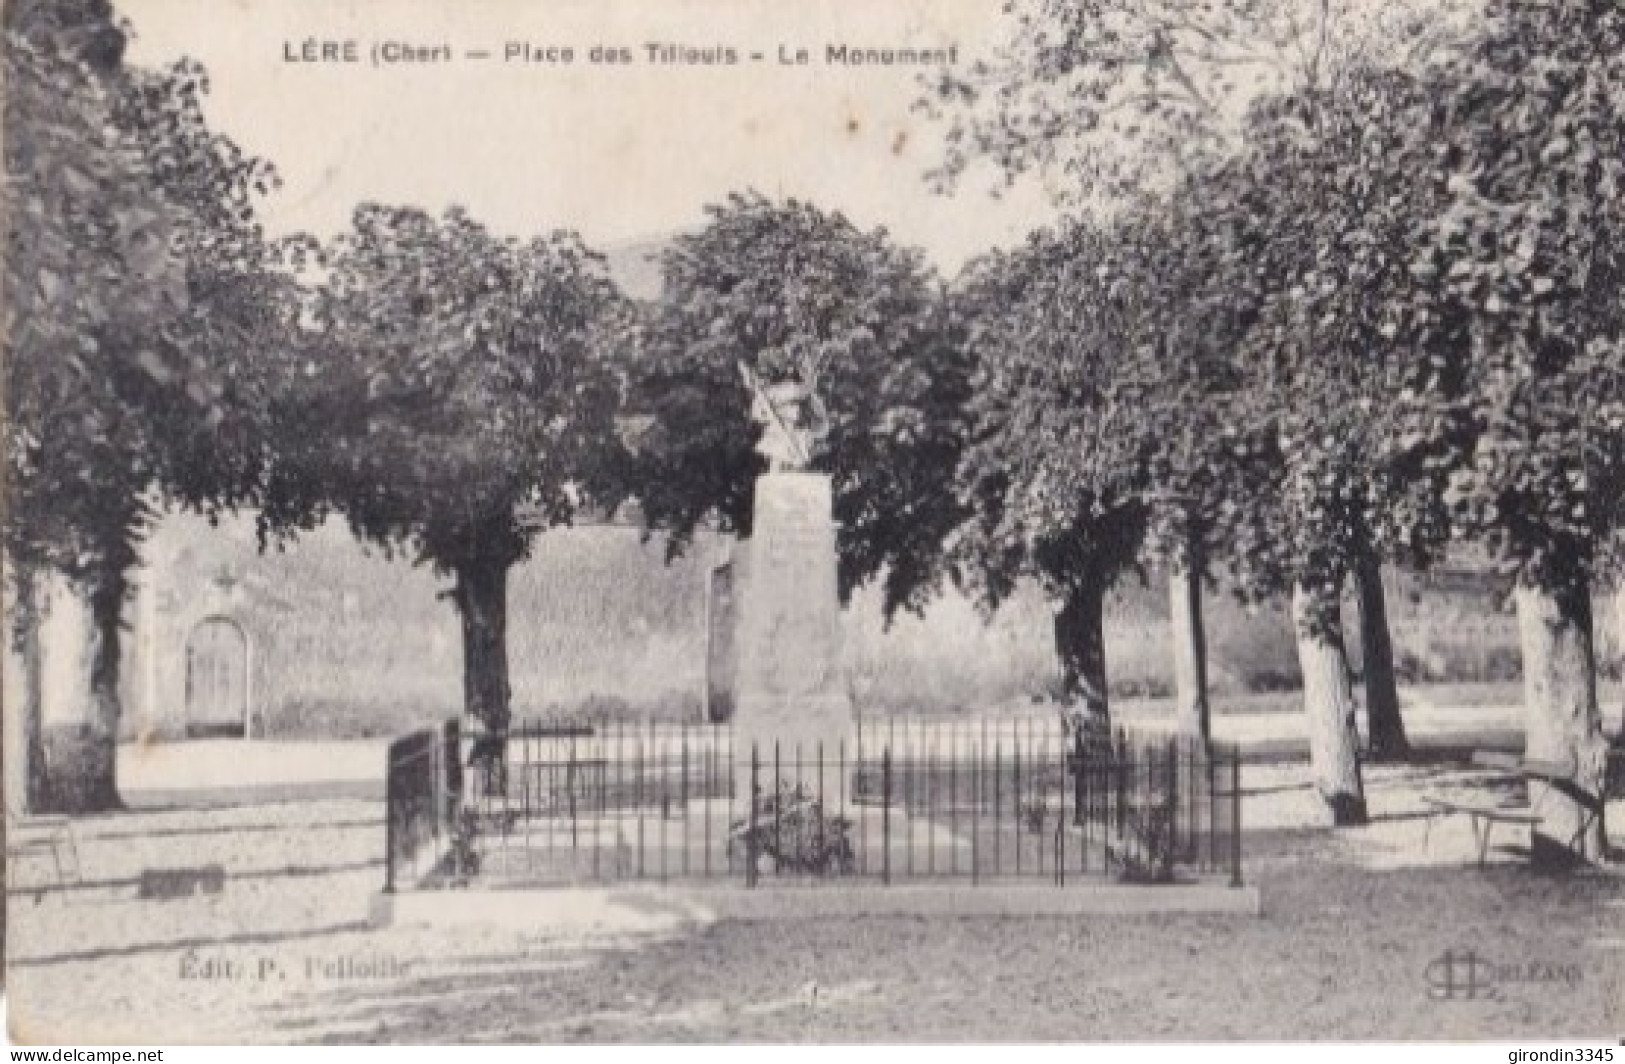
[[734, 522]]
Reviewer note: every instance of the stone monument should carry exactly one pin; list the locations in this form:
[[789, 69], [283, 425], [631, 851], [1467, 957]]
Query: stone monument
[[790, 688]]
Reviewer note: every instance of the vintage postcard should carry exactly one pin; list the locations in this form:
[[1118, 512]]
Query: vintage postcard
[[729, 521]]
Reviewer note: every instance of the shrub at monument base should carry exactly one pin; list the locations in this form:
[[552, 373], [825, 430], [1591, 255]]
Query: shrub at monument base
[[793, 830]]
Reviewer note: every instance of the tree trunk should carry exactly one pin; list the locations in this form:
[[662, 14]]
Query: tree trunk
[[1619, 654], [25, 750], [482, 605], [33, 736], [1080, 644], [1563, 726], [1619, 628], [1386, 728], [1329, 703], [1190, 651], [81, 744]]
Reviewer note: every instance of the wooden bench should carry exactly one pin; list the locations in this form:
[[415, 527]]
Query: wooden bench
[[1484, 819], [1560, 777], [33, 833]]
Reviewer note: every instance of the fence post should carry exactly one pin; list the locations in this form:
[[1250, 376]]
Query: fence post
[[885, 816], [707, 785], [437, 788], [1235, 804], [840, 781], [1016, 797], [778, 788], [452, 753], [976, 808], [1123, 768], [1212, 770], [750, 832], [637, 799], [1060, 824], [1193, 805], [390, 799], [682, 792], [1075, 764], [998, 770], [1171, 802]]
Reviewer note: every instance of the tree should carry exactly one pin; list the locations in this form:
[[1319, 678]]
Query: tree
[[1170, 332], [1320, 215], [1050, 474], [69, 502], [1338, 195], [471, 397], [778, 287], [1111, 98], [1107, 99], [116, 190], [1527, 147]]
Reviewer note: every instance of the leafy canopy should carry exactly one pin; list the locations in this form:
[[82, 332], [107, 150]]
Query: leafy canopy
[[472, 384], [791, 290], [135, 279], [1529, 249]]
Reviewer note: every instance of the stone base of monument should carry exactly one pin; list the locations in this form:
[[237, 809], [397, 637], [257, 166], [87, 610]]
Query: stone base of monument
[[705, 841], [662, 910], [790, 702], [806, 740], [685, 844], [911, 844]]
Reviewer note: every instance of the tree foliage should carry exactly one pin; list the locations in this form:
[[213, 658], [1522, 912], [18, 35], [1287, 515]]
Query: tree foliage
[[473, 377], [137, 288], [786, 288], [1106, 99], [1316, 221], [1529, 251], [464, 396], [1049, 473]]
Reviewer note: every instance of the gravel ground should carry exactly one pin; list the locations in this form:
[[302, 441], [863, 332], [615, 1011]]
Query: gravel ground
[[1339, 954], [1354, 925]]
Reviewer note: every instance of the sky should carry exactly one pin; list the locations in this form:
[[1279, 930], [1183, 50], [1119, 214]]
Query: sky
[[619, 153]]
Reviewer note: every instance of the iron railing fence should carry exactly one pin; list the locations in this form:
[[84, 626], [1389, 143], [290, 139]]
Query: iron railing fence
[[422, 782], [996, 801]]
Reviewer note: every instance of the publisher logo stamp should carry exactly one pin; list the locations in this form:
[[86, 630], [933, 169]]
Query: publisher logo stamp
[[1467, 975]]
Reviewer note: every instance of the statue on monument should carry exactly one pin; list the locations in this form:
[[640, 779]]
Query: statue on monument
[[789, 681], [792, 417]]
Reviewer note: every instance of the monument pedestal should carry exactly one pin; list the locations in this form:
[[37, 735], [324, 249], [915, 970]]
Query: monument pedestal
[[790, 689]]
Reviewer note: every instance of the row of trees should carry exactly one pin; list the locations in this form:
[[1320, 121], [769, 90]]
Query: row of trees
[[1378, 317]]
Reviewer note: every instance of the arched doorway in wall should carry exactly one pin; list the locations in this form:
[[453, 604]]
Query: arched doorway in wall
[[217, 680]]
